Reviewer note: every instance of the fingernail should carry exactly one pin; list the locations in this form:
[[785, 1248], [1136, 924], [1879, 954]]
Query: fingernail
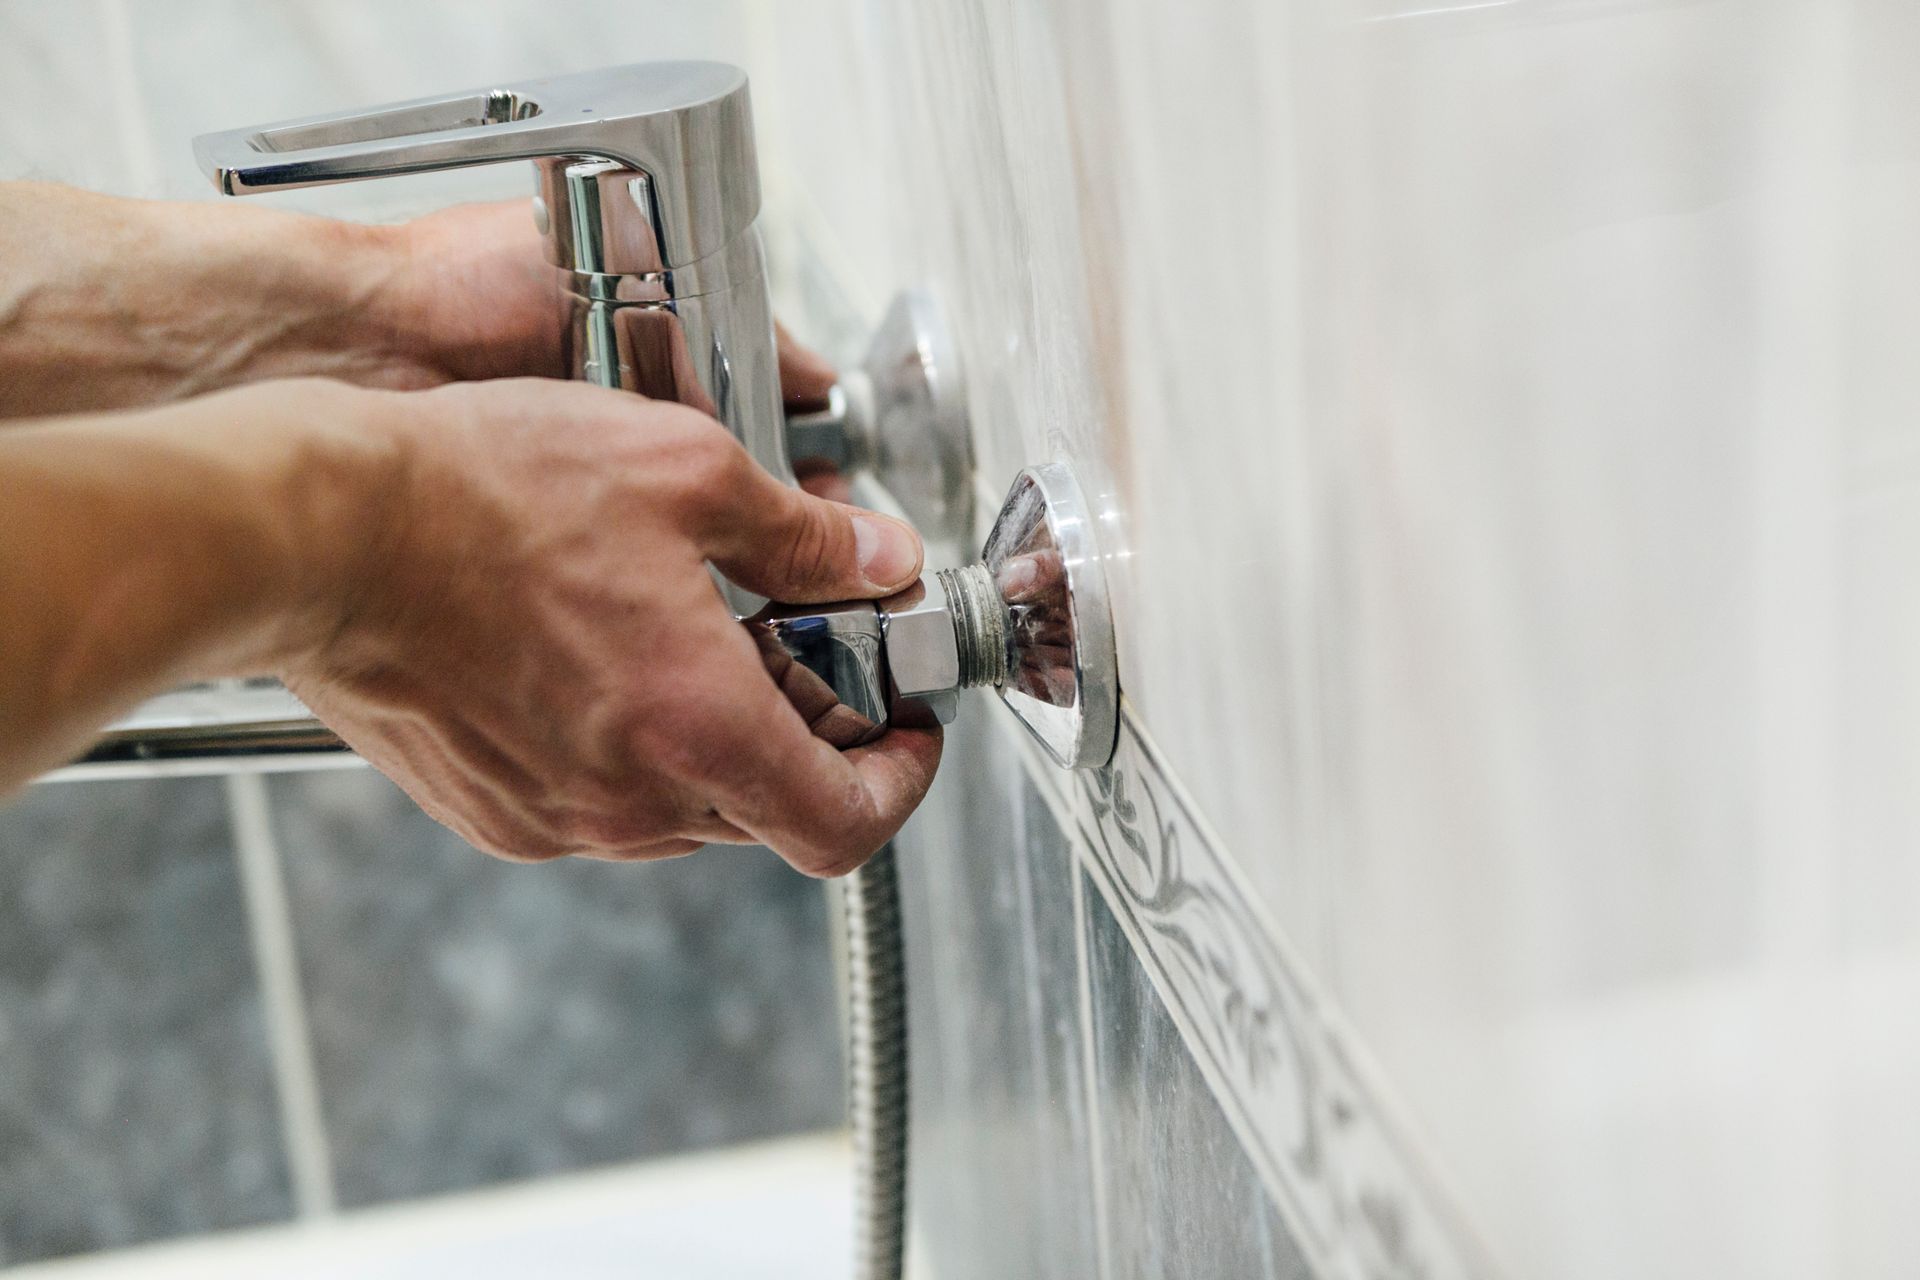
[[888, 551]]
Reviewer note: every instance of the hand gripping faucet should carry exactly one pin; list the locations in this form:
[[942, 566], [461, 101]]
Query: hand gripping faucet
[[646, 194], [647, 190]]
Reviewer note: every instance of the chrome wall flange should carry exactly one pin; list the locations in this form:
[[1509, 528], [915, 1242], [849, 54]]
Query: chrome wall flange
[[901, 416], [1063, 677]]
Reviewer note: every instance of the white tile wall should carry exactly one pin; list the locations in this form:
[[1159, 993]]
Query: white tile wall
[[1505, 411]]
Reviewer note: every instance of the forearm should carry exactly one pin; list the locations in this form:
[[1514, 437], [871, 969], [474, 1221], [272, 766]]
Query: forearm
[[137, 550], [108, 303]]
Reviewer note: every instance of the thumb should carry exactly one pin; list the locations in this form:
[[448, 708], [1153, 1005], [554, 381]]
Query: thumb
[[790, 546]]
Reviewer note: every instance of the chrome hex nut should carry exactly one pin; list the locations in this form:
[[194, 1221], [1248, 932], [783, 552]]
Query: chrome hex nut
[[923, 653]]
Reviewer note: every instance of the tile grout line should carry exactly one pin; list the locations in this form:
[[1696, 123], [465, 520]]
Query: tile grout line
[[1089, 1073], [289, 1041]]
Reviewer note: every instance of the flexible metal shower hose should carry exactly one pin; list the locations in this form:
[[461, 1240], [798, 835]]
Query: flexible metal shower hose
[[877, 1067]]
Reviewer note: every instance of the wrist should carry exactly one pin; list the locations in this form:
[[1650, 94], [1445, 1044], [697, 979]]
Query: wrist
[[108, 303], [330, 486], [300, 484], [217, 537], [301, 296]]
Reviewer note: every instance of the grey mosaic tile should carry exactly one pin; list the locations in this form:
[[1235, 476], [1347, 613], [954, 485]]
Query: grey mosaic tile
[[1180, 1196], [477, 1021], [999, 1184], [136, 1096]]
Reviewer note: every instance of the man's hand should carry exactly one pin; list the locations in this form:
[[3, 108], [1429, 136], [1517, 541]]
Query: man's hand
[[496, 592], [536, 651], [108, 303]]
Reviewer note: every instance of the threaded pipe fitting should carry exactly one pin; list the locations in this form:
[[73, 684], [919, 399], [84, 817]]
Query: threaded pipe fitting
[[979, 624]]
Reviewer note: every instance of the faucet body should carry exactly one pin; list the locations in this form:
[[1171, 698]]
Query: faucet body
[[700, 333], [647, 192]]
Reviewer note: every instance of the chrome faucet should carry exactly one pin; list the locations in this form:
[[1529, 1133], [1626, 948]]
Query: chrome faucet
[[646, 194]]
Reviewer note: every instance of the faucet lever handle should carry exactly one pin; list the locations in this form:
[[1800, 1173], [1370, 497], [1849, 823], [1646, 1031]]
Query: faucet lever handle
[[446, 132], [686, 125]]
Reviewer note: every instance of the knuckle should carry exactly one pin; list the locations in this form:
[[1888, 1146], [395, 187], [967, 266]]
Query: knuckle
[[610, 828], [531, 851], [827, 862], [669, 741], [838, 845], [705, 460], [493, 831], [515, 842]]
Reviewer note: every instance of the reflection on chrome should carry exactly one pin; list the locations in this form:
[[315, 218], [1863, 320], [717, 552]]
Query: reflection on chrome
[[1063, 682], [827, 660]]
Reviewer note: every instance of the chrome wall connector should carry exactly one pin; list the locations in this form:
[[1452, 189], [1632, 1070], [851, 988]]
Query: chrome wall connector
[[1029, 620], [901, 417]]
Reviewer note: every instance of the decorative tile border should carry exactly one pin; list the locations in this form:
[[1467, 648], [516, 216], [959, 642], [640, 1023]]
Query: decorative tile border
[[1349, 1182]]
